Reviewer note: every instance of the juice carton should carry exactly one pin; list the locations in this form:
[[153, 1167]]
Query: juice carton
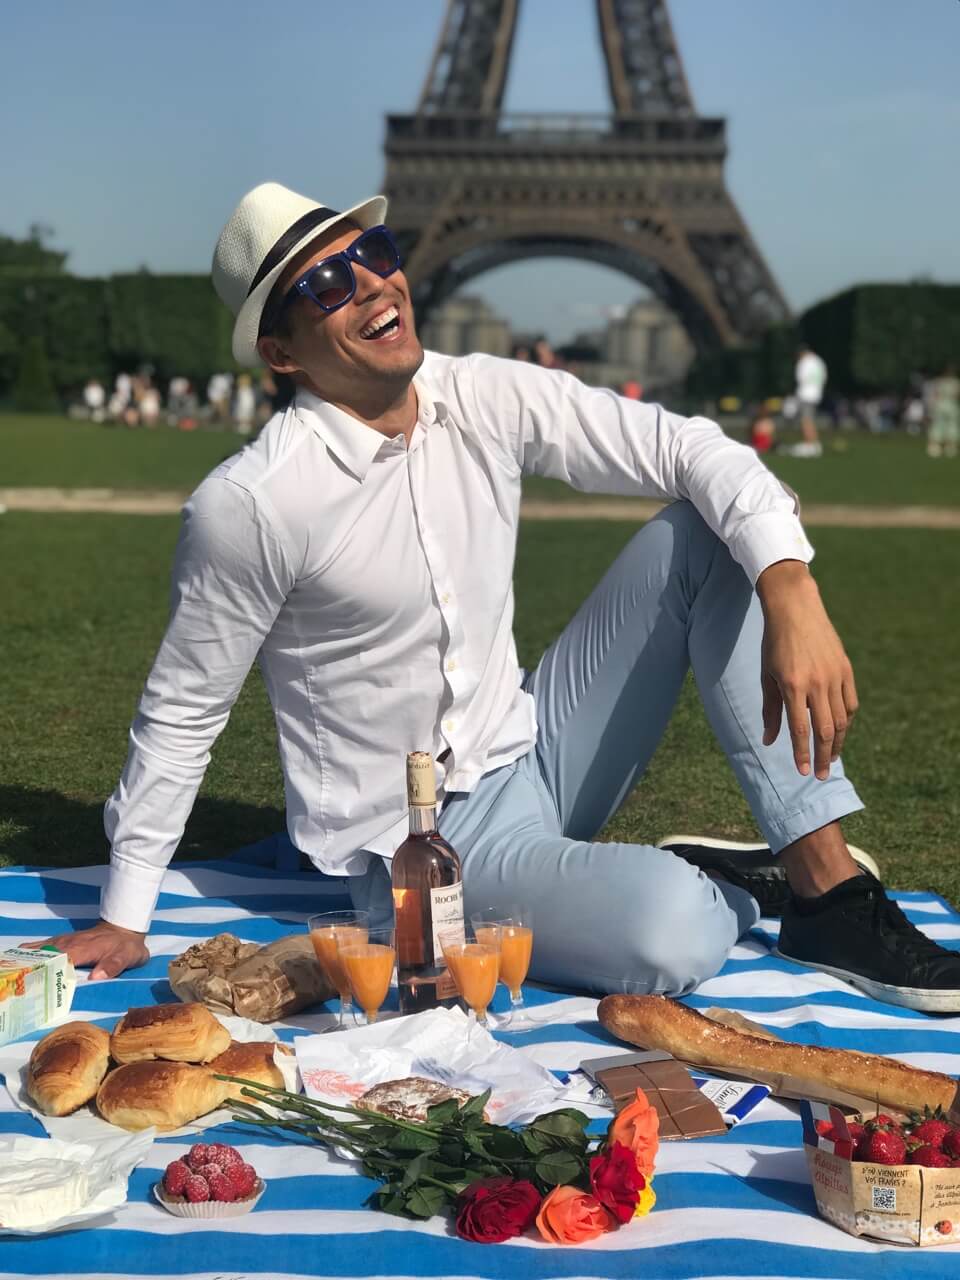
[[36, 989]]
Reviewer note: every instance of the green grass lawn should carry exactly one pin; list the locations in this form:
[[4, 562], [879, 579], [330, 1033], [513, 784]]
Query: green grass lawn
[[85, 600], [36, 451]]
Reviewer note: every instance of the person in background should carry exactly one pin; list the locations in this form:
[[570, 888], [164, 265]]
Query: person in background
[[545, 356], [632, 390], [148, 403], [811, 378], [762, 430], [944, 433], [520, 352], [218, 396], [244, 405], [94, 399]]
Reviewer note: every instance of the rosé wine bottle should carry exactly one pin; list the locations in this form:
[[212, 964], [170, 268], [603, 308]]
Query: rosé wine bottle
[[427, 896]]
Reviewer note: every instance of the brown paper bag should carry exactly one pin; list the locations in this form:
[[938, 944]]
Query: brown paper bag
[[260, 983]]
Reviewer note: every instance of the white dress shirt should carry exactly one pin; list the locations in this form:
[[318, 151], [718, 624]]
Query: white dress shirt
[[373, 580]]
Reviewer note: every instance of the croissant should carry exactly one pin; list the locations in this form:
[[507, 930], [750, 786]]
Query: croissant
[[67, 1066], [178, 1032], [164, 1094], [252, 1061]]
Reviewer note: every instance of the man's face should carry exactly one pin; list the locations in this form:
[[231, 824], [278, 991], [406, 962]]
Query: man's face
[[336, 350]]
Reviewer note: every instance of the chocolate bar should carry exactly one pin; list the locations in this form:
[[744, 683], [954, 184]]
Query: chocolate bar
[[683, 1110]]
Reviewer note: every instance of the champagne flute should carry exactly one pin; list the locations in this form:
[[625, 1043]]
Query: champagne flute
[[475, 966], [368, 964], [324, 931], [515, 928]]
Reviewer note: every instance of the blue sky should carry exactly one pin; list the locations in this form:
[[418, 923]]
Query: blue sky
[[132, 129]]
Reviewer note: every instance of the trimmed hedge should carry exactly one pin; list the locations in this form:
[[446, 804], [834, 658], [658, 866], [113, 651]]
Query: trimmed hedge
[[876, 337], [95, 328], [34, 391]]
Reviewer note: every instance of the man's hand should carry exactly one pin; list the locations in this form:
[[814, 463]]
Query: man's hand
[[107, 947], [804, 668]]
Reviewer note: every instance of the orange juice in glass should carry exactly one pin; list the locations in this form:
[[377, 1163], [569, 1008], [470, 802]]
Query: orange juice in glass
[[368, 964], [325, 929], [514, 927], [474, 964]]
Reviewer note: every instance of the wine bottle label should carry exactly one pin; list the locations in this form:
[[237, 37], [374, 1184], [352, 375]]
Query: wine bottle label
[[446, 910], [421, 779]]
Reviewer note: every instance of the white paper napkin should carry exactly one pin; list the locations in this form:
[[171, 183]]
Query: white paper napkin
[[107, 1165], [342, 1065]]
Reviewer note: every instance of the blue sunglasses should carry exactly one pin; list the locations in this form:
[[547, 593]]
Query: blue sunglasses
[[332, 282]]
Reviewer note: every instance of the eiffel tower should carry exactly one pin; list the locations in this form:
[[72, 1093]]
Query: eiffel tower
[[640, 190]]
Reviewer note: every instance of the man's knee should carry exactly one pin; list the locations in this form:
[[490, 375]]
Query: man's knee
[[676, 948]]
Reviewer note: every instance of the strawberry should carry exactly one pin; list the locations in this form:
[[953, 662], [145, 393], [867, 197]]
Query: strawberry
[[219, 1153], [244, 1179], [196, 1189], [198, 1154], [881, 1146], [856, 1130], [882, 1121], [931, 1132], [175, 1177], [221, 1188], [930, 1156], [951, 1144]]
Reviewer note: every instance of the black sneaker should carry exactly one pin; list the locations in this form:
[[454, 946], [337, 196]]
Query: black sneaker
[[749, 866], [859, 934]]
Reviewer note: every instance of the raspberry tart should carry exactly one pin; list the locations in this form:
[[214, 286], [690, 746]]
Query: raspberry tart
[[211, 1181]]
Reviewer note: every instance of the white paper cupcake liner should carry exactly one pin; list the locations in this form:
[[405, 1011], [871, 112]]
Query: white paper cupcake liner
[[209, 1208]]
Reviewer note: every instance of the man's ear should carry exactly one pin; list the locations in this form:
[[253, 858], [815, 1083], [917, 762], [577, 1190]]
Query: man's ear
[[274, 354]]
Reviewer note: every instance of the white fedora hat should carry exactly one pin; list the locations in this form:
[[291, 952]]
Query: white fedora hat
[[268, 227]]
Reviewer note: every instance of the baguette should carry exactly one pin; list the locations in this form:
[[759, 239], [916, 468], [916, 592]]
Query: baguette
[[656, 1022]]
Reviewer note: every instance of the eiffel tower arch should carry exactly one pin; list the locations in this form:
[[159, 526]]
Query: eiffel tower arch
[[641, 190]]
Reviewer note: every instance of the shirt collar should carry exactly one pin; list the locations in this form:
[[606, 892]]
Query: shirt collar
[[355, 444]]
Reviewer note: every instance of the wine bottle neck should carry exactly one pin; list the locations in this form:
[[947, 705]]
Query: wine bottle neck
[[423, 819]]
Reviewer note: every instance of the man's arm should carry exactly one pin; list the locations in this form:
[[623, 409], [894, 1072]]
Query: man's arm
[[231, 576], [549, 423]]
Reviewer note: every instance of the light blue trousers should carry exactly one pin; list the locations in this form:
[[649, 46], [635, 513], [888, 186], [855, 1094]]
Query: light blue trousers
[[610, 916]]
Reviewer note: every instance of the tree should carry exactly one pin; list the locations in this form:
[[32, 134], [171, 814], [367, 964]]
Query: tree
[[32, 256], [34, 391]]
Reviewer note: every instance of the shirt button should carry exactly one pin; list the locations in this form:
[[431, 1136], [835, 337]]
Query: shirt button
[[449, 724], [451, 665], [445, 598]]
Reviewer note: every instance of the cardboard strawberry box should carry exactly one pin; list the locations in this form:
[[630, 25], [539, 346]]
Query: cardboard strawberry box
[[892, 1203]]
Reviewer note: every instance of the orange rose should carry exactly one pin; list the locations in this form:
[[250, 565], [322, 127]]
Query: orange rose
[[570, 1216], [637, 1127]]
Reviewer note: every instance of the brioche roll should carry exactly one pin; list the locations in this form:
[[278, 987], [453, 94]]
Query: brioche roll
[[164, 1094], [252, 1061], [176, 1032], [67, 1066]]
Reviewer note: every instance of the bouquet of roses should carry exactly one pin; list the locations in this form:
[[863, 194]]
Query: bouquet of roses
[[498, 1181]]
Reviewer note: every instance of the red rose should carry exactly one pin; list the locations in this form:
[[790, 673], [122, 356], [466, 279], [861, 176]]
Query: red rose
[[616, 1180], [496, 1209]]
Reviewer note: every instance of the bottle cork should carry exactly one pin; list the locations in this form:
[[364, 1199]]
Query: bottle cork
[[421, 779]]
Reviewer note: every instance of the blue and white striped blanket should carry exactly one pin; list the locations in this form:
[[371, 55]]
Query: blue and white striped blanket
[[738, 1205]]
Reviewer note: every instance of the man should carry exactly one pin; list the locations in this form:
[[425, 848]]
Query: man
[[811, 378], [362, 548]]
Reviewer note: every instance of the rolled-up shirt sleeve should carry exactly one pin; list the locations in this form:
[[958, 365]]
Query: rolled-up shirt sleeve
[[549, 423], [231, 576]]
